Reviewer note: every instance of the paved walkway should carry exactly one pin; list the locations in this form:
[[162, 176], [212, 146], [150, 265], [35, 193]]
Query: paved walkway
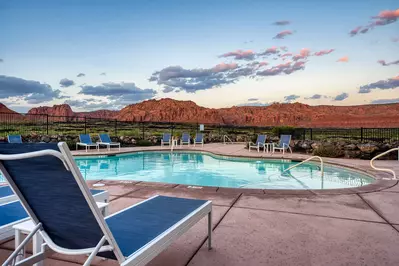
[[250, 228]]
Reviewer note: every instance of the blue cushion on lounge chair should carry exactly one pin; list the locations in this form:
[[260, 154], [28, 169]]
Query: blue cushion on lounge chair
[[12, 212], [261, 139], [166, 137], [135, 227], [5, 191], [14, 139], [105, 138], [199, 137], [185, 137], [85, 138]]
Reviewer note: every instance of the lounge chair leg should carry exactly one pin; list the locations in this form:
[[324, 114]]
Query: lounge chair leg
[[210, 230]]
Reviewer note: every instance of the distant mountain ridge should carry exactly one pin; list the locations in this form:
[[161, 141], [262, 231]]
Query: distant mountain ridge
[[287, 114]]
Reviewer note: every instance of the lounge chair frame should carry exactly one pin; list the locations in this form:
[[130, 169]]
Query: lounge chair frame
[[169, 142], [258, 144], [107, 144], [140, 257], [199, 142], [284, 147], [80, 143], [182, 142]]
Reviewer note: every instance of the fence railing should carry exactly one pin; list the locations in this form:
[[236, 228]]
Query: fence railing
[[28, 124]]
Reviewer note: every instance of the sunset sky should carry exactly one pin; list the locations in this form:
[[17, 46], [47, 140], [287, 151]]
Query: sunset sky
[[107, 54]]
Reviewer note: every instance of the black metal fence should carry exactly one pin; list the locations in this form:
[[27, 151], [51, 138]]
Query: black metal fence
[[28, 124]]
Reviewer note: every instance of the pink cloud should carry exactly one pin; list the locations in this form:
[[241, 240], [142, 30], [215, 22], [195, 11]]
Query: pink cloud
[[224, 67], [323, 52], [355, 31], [344, 59], [270, 51], [303, 54], [388, 14], [395, 39], [283, 34], [286, 54], [240, 55]]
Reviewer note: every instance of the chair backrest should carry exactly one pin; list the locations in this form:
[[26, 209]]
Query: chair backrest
[[285, 139], [51, 195], [199, 137], [166, 137], [85, 138], [261, 139], [185, 137], [105, 138], [14, 139]]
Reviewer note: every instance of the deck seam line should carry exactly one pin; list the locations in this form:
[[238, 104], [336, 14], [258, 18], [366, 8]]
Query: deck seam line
[[309, 214], [375, 209], [213, 229]]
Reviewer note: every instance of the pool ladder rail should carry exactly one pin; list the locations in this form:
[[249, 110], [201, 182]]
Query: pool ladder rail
[[308, 159], [384, 169], [225, 137]]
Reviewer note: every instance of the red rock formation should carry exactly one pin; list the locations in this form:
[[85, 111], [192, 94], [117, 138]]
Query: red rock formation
[[295, 114], [63, 111], [8, 114]]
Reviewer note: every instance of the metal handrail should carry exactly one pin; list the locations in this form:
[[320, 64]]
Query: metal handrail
[[384, 169], [308, 159], [224, 139]]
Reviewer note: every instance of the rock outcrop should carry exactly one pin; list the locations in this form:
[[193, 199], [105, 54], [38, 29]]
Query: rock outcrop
[[278, 114]]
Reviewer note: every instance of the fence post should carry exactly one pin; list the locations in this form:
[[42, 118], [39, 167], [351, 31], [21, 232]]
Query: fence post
[[361, 134], [47, 125], [116, 127], [171, 131], [142, 128], [85, 126], [311, 134]]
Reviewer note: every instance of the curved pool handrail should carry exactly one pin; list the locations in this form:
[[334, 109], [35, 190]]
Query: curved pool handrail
[[384, 169], [226, 137], [308, 159]]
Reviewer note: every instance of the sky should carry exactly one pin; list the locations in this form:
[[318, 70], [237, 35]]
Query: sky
[[108, 54]]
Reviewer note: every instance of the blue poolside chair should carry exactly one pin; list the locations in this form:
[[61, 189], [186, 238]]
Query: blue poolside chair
[[6, 194], [284, 144], [106, 140], [85, 141], [166, 139], [12, 211], [50, 185], [14, 139], [185, 139], [260, 142], [199, 139]]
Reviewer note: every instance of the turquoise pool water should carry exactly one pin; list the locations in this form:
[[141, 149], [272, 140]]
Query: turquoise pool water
[[200, 169]]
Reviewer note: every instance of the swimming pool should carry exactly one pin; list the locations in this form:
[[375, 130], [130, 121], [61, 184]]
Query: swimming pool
[[202, 169]]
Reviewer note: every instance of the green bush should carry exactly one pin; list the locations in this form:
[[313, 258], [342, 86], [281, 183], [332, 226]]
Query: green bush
[[143, 142], [283, 130], [327, 151]]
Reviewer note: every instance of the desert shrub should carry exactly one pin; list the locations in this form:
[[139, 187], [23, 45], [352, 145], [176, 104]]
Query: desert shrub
[[143, 142], [327, 151]]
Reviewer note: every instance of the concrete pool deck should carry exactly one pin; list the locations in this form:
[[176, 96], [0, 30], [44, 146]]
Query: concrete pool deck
[[270, 227]]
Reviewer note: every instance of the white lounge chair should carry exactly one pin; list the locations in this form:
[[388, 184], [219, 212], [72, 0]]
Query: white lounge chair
[[199, 139], [185, 139], [106, 140], [133, 236], [85, 141], [166, 139], [14, 139], [260, 142], [284, 144]]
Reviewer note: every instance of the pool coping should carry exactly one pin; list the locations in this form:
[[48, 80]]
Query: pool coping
[[379, 184]]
